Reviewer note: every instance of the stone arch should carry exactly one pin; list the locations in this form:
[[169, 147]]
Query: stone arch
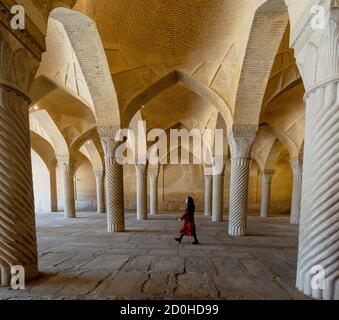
[[42, 124], [268, 27], [285, 140], [42, 148], [81, 139], [92, 60], [92, 154], [273, 156], [168, 81]]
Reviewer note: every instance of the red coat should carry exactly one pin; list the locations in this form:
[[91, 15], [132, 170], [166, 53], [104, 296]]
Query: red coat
[[188, 228]]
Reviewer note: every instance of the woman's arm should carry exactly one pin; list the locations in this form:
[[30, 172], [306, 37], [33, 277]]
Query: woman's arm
[[184, 216]]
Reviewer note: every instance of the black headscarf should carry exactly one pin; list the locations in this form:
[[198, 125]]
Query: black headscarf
[[190, 207]]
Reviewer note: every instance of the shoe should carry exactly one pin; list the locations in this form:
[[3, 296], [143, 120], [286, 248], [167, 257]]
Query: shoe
[[178, 239], [196, 242]]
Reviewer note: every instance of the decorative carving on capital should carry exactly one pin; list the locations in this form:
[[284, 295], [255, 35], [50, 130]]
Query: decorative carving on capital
[[296, 167], [30, 37], [99, 174], [241, 141], [153, 173], [318, 58], [267, 176], [66, 163], [17, 68], [108, 137], [141, 168]]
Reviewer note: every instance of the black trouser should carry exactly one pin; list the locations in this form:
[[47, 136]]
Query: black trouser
[[194, 236]]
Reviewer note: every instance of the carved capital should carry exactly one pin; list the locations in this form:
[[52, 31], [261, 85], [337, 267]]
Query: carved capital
[[141, 169], [317, 59], [31, 37], [66, 163], [99, 174], [241, 141], [153, 173], [267, 176], [296, 167]]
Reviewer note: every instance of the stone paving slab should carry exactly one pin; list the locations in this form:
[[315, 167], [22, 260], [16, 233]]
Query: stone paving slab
[[78, 259]]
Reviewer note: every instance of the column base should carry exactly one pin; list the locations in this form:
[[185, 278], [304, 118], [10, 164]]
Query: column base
[[237, 232], [112, 228]]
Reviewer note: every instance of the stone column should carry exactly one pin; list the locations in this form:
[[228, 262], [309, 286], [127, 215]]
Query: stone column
[[154, 177], [18, 246], [241, 142], [267, 176], [296, 191], [53, 185], [100, 188], [114, 182], [141, 174], [218, 196], [208, 194], [318, 258], [67, 166]]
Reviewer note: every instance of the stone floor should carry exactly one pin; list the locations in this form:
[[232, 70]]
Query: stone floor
[[78, 259]]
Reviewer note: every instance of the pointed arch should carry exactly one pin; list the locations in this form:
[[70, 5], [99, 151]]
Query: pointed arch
[[168, 81], [88, 48]]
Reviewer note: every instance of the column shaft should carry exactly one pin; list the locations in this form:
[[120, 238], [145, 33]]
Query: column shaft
[[241, 142], [318, 261], [208, 195], [100, 188], [17, 217], [239, 196], [68, 191], [141, 174], [296, 191], [154, 193], [115, 195], [53, 187], [266, 193], [218, 198]]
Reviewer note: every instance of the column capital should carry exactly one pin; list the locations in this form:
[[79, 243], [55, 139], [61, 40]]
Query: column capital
[[317, 56], [141, 168], [110, 142], [267, 175], [153, 173], [99, 174], [296, 167], [208, 171], [241, 140], [67, 163]]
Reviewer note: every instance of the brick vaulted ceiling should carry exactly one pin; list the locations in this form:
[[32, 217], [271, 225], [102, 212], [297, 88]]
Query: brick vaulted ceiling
[[176, 59]]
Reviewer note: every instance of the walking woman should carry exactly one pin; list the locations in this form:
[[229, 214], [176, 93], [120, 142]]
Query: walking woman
[[188, 229]]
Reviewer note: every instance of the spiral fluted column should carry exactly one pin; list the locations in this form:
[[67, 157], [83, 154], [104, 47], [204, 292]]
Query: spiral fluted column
[[319, 218], [100, 188], [114, 182], [241, 141], [141, 174], [154, 177], [296, 191], [68, 171], [17, 218], [208, 194], [218, 196], [267, 176]]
